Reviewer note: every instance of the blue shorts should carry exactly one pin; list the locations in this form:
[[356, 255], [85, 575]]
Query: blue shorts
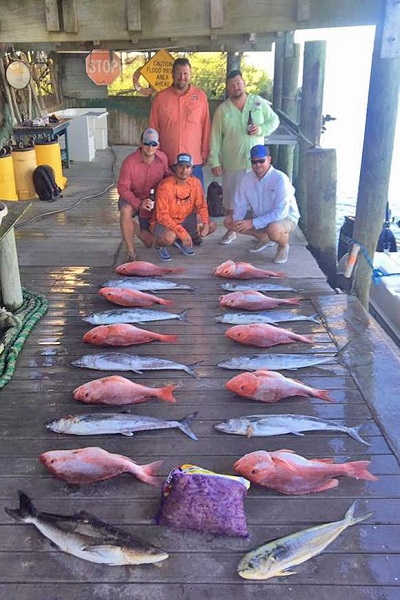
[[190, 224]]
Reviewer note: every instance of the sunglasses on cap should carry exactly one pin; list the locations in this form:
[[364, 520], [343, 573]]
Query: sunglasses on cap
[[154, 144], [258, 161]]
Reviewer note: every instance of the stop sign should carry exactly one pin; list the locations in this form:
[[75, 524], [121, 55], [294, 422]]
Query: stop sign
[[103, 66]]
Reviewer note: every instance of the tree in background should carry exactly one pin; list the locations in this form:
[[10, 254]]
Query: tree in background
[[209, 73]]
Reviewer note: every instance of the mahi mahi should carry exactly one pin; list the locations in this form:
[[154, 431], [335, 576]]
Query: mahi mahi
[[259, 287], [87, 537], [132, 315], [274, 362], [122, 423], [118, 361], [146, 284], [265, 316], [270, 425], [276, 559]]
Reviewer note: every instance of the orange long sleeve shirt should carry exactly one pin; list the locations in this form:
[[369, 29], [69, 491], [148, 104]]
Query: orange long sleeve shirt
[[176, 201], [183, 123]]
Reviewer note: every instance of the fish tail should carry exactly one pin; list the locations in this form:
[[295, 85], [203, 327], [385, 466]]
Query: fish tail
[[164, 301], [184, 425], [324, 395], [353, 432], [176, 270], [350, 519], [293, 301], [171, 339], [26, 508], [183, 316], [315, 318], [167, 393], [359, 470], [190, 369], [277, 274], [149, 473]]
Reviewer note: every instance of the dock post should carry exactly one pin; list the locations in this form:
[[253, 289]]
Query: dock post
[[383, 99], [321, 176], [310, 116], [289, 104]]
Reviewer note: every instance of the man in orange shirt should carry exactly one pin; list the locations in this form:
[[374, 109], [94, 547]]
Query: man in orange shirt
[[181, 215], [181, 116]]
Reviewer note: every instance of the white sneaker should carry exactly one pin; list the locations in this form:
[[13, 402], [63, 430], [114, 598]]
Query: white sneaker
[[282, 254], [228, 237], [261, 245]]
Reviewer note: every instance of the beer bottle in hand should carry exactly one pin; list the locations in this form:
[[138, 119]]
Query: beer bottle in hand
[[250, 122]]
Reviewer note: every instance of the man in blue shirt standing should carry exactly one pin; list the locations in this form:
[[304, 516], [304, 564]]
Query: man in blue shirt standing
[[270, 196]]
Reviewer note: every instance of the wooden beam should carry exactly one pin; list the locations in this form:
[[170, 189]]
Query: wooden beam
[[52, 16], [70, 19], [303, 10], [217, 14], [391, 30], [133, 15]]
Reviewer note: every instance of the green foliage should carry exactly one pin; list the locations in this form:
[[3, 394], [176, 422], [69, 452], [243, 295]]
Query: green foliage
[[209, 74]]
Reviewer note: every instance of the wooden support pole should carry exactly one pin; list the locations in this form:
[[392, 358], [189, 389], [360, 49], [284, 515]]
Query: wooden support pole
[[321, 176], [376, 160], [310, 116], [289, 105], [10, 282]]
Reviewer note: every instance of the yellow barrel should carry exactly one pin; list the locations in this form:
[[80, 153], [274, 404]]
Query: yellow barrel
[[24, 161], [49, 153], [7, 182]]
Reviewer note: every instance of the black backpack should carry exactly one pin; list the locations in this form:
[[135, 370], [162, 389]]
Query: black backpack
[[45, 183], [214, 200]]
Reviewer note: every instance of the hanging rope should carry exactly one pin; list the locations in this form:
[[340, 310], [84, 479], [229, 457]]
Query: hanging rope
[[377, 274], [33, 308]]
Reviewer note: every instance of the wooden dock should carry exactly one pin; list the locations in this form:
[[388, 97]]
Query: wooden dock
[[66, 256]]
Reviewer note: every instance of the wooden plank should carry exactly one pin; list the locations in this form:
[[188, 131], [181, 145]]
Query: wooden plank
[[70, 16], [303, 10], [52, 15], [133, 15], [217, 14]]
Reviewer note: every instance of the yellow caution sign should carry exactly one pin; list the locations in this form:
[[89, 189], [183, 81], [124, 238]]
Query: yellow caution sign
[[158, 70]]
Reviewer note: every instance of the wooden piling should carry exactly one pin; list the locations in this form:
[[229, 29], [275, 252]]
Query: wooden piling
[[376, 161], [289, 104], [321, 176], [310, 116]]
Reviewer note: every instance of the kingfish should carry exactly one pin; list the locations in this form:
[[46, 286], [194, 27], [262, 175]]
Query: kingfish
[[118, 361], [146, 284], [275, 559], [116, 423], [274, 362], [267, 316], [259, 287], [132, 315], [87, 537], [271, 425]]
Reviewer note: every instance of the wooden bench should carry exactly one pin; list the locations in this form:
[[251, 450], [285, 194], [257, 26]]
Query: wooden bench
[[10, 282]]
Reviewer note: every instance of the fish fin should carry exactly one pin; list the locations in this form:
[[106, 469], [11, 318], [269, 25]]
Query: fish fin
[[167, 393], [298, 433], [284, 573], [150, 472], [127, 433], [315, 318], [351, 519], [190, 369], [26, 508], [284, 463], [327, 461], [353, 432], [183, 316], [249, 431], [286, 450], [328, 485], [184, 425], [359, 470]]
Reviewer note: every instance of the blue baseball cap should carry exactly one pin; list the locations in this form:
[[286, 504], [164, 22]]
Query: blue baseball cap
[[259, 151], [184, 159]]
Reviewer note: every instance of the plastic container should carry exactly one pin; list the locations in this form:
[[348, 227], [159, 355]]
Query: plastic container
[[49, 153], [24, 161], [8, 190]]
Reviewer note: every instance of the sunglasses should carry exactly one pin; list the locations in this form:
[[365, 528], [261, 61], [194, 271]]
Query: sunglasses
[[154, 144], [258, 161]]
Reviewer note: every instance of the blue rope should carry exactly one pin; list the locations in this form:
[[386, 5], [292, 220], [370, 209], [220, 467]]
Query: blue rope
[[377, 274]]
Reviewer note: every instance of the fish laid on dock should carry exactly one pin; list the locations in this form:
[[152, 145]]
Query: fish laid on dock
[[118, 361], [264, 335], [132, 315], [240, 318], [146, 284], [87, 537], [141, 268], [117, 423], [253, 300], [271, 425], [259, 287], [275, 559], [117, 391], [131, 298], [294, 475], [243, 270], [275, 362], [124, 334], [87, 465]]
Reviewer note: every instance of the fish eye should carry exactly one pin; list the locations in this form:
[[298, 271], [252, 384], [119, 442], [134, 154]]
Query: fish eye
[[254, 471]]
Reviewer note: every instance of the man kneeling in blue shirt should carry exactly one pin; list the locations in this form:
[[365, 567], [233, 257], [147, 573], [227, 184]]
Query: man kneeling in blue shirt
[[270, 195]]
